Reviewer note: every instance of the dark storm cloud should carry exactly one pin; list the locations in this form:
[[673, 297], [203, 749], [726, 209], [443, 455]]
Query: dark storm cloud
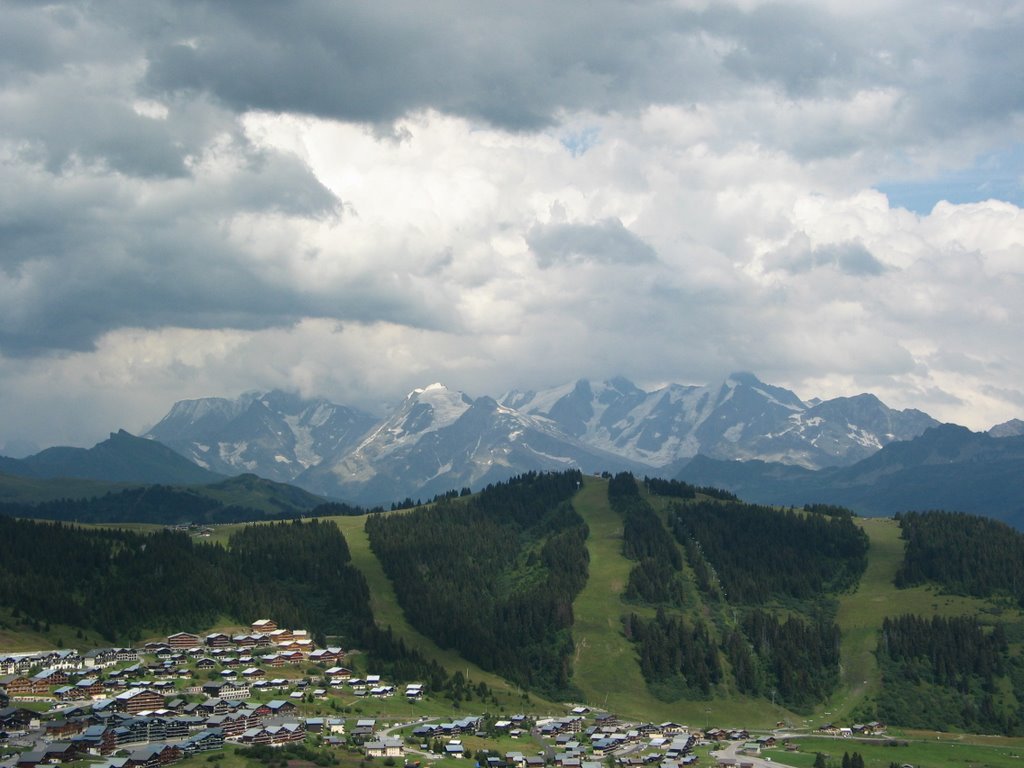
[[607, 241], [515, 66], [110, 260]]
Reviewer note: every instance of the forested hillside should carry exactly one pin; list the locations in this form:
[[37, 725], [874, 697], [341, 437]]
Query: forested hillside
[[963, 553], [494, 575], [947, 674], [703, 598], [238, 499], [747, 562], [761, 553]]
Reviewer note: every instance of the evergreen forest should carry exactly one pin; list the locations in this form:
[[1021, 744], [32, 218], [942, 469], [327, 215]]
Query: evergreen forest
[[494, 575]]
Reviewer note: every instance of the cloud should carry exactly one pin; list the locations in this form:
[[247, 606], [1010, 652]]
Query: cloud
[[606, 241], [849, 258], [355, 199]]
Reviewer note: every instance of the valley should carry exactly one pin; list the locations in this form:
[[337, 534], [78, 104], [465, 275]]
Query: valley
[[605, 670]]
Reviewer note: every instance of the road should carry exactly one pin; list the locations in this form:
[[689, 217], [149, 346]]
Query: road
[[732, 752]]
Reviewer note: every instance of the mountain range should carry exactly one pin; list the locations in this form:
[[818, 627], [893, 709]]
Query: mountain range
[[948, 467], [760, 441], [437, 438]]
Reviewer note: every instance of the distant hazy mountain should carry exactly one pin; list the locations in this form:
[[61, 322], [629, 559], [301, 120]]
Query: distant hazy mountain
[[1011, 428], [275, 435], [121, 458], [948, 467], [440, 439], [741, 418]]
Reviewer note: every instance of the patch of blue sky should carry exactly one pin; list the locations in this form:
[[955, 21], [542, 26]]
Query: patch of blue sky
[[997, 175], [579, 142]]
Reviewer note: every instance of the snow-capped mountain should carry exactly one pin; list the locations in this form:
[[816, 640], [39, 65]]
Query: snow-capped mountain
[[440, 439], [740, 418], [276, 435]]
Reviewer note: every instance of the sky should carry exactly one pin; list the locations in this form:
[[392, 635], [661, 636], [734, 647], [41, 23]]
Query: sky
[[353, 199]]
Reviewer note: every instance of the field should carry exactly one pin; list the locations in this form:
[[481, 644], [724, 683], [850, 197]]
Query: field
[[943, 751]]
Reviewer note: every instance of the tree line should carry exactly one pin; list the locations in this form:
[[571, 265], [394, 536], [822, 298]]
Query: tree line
[[966, 554], [678, 658], [656, 578], [949, 673], [759, 553]]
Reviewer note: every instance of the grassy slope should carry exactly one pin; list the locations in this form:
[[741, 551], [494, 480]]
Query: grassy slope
[[606, 667], [387, 612], [937, 751], [861, 613], [31, 490]]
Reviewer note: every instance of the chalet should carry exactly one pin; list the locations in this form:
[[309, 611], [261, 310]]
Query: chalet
[[278, 636], [384, 747], [364, 728], [338, 675], [19, 685], [253, 673], [325, 656], [183, 640], [60, 729], [232, 724], [227, 690], [333, 725], [60, 752], [96, 740], [153, 756], [99, 657], [138, 700], [212, 707], [454, 749], [203, 741], [274, 734], [217, 640], [67, 693], [280, 707], [263, 626], [17, 719]]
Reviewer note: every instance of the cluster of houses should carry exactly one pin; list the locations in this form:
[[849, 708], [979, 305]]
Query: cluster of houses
[[576, 741], [668, 743], [152, 710], [873, 728], [147, 708]]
